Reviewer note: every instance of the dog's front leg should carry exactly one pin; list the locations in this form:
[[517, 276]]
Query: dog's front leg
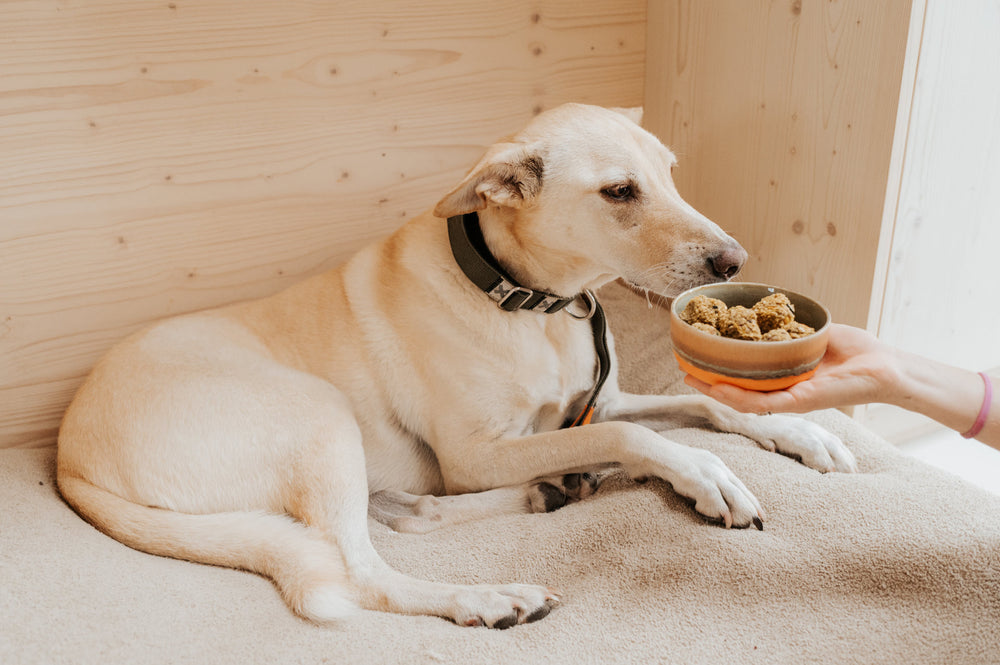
[[793, 436], [696, 474]]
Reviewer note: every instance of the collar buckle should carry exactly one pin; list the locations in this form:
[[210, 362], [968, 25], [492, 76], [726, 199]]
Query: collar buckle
[[509, 297]]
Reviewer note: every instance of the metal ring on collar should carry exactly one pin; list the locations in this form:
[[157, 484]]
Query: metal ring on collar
[[591, 301]]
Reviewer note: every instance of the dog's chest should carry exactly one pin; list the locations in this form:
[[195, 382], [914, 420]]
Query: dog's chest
[[552, 379]]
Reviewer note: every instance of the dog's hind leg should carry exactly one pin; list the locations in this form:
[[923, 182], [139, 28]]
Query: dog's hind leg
[[413, 513], [307, 569], [334, 500]]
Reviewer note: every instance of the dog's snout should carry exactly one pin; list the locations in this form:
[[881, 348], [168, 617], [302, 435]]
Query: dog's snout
[[728, 263]]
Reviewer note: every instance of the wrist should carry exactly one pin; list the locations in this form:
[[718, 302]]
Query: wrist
[[906, 388], [949, 395], [893, 377], [984, 410]]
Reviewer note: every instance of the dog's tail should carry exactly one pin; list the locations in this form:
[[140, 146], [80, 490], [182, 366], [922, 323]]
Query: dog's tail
[[308, 570]]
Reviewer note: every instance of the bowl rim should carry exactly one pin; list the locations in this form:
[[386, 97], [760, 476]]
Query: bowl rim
[[674, 314]]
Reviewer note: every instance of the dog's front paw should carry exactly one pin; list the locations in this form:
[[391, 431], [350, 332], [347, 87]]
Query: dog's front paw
[[705, 479], [813, 445]]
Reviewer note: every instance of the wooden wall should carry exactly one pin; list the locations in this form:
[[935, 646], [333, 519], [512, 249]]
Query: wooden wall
[[162, 157], [783, 114]]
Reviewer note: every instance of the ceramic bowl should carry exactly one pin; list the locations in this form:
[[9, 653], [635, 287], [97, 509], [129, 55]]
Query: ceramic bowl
[[760, 366]]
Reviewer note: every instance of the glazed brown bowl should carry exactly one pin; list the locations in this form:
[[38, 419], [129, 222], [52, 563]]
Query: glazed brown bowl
[[760, 366]]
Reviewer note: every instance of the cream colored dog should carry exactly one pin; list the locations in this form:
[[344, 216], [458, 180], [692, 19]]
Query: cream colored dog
[[256, 435]]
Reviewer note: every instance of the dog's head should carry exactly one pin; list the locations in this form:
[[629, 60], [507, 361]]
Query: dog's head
[[582, 196]]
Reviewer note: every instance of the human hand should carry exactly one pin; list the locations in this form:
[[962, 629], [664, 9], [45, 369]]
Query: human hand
[[857, 369]]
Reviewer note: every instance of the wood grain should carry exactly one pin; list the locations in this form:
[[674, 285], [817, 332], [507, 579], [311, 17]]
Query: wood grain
[[163, 157], [783, 114]]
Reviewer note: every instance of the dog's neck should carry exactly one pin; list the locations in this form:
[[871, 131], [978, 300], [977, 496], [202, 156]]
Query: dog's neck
[[475, 259], [533, 263]]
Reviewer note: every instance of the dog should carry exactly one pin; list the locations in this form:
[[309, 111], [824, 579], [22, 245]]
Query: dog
[[261, 435]]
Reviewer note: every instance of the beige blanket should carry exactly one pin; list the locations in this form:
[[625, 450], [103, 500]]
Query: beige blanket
[[899, 563]]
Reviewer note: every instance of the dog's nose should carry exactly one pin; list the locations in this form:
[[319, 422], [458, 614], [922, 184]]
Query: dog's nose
[[729, 262]]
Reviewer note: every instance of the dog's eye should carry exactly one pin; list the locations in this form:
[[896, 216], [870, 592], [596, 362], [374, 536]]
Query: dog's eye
[[620, 192]]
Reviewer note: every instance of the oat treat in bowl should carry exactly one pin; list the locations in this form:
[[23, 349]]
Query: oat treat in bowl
[[776, 335], [773, 312], [702, 309], [739, 323], [796, 330], [704, 327], [762, 338]]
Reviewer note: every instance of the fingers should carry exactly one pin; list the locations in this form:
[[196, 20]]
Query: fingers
[[747, 401]]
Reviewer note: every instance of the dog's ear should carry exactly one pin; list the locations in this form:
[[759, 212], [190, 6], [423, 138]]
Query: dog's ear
[[509, 175], [633, 113]]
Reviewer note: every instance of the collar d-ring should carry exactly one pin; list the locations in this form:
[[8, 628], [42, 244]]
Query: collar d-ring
[[591, 301]]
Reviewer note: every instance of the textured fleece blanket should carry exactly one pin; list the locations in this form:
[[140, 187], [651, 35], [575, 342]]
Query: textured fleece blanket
[[899, 563]]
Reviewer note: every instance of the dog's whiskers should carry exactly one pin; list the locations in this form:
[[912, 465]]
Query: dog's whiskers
[[657, 273]]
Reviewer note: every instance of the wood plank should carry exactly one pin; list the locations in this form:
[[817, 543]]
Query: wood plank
[[160, 158], [783, 115]]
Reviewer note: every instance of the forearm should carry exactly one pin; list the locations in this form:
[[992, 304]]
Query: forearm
[[949, 395]]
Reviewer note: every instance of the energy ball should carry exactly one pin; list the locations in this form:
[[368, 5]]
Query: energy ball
[[796, 329], [773, 312], [740, 323], [776, 335], [771, 319], [705, 328], [702, 309]]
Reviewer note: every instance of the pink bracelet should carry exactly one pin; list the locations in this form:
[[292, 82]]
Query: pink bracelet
[[984, 410]]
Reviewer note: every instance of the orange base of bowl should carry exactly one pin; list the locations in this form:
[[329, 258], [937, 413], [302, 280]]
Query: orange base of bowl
[[760, 385]]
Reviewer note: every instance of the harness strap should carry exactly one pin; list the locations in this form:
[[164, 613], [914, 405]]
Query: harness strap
[[599, 324]]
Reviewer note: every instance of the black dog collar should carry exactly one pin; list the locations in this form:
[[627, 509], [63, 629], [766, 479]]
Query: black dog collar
[[477, 262], [479, 265]]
